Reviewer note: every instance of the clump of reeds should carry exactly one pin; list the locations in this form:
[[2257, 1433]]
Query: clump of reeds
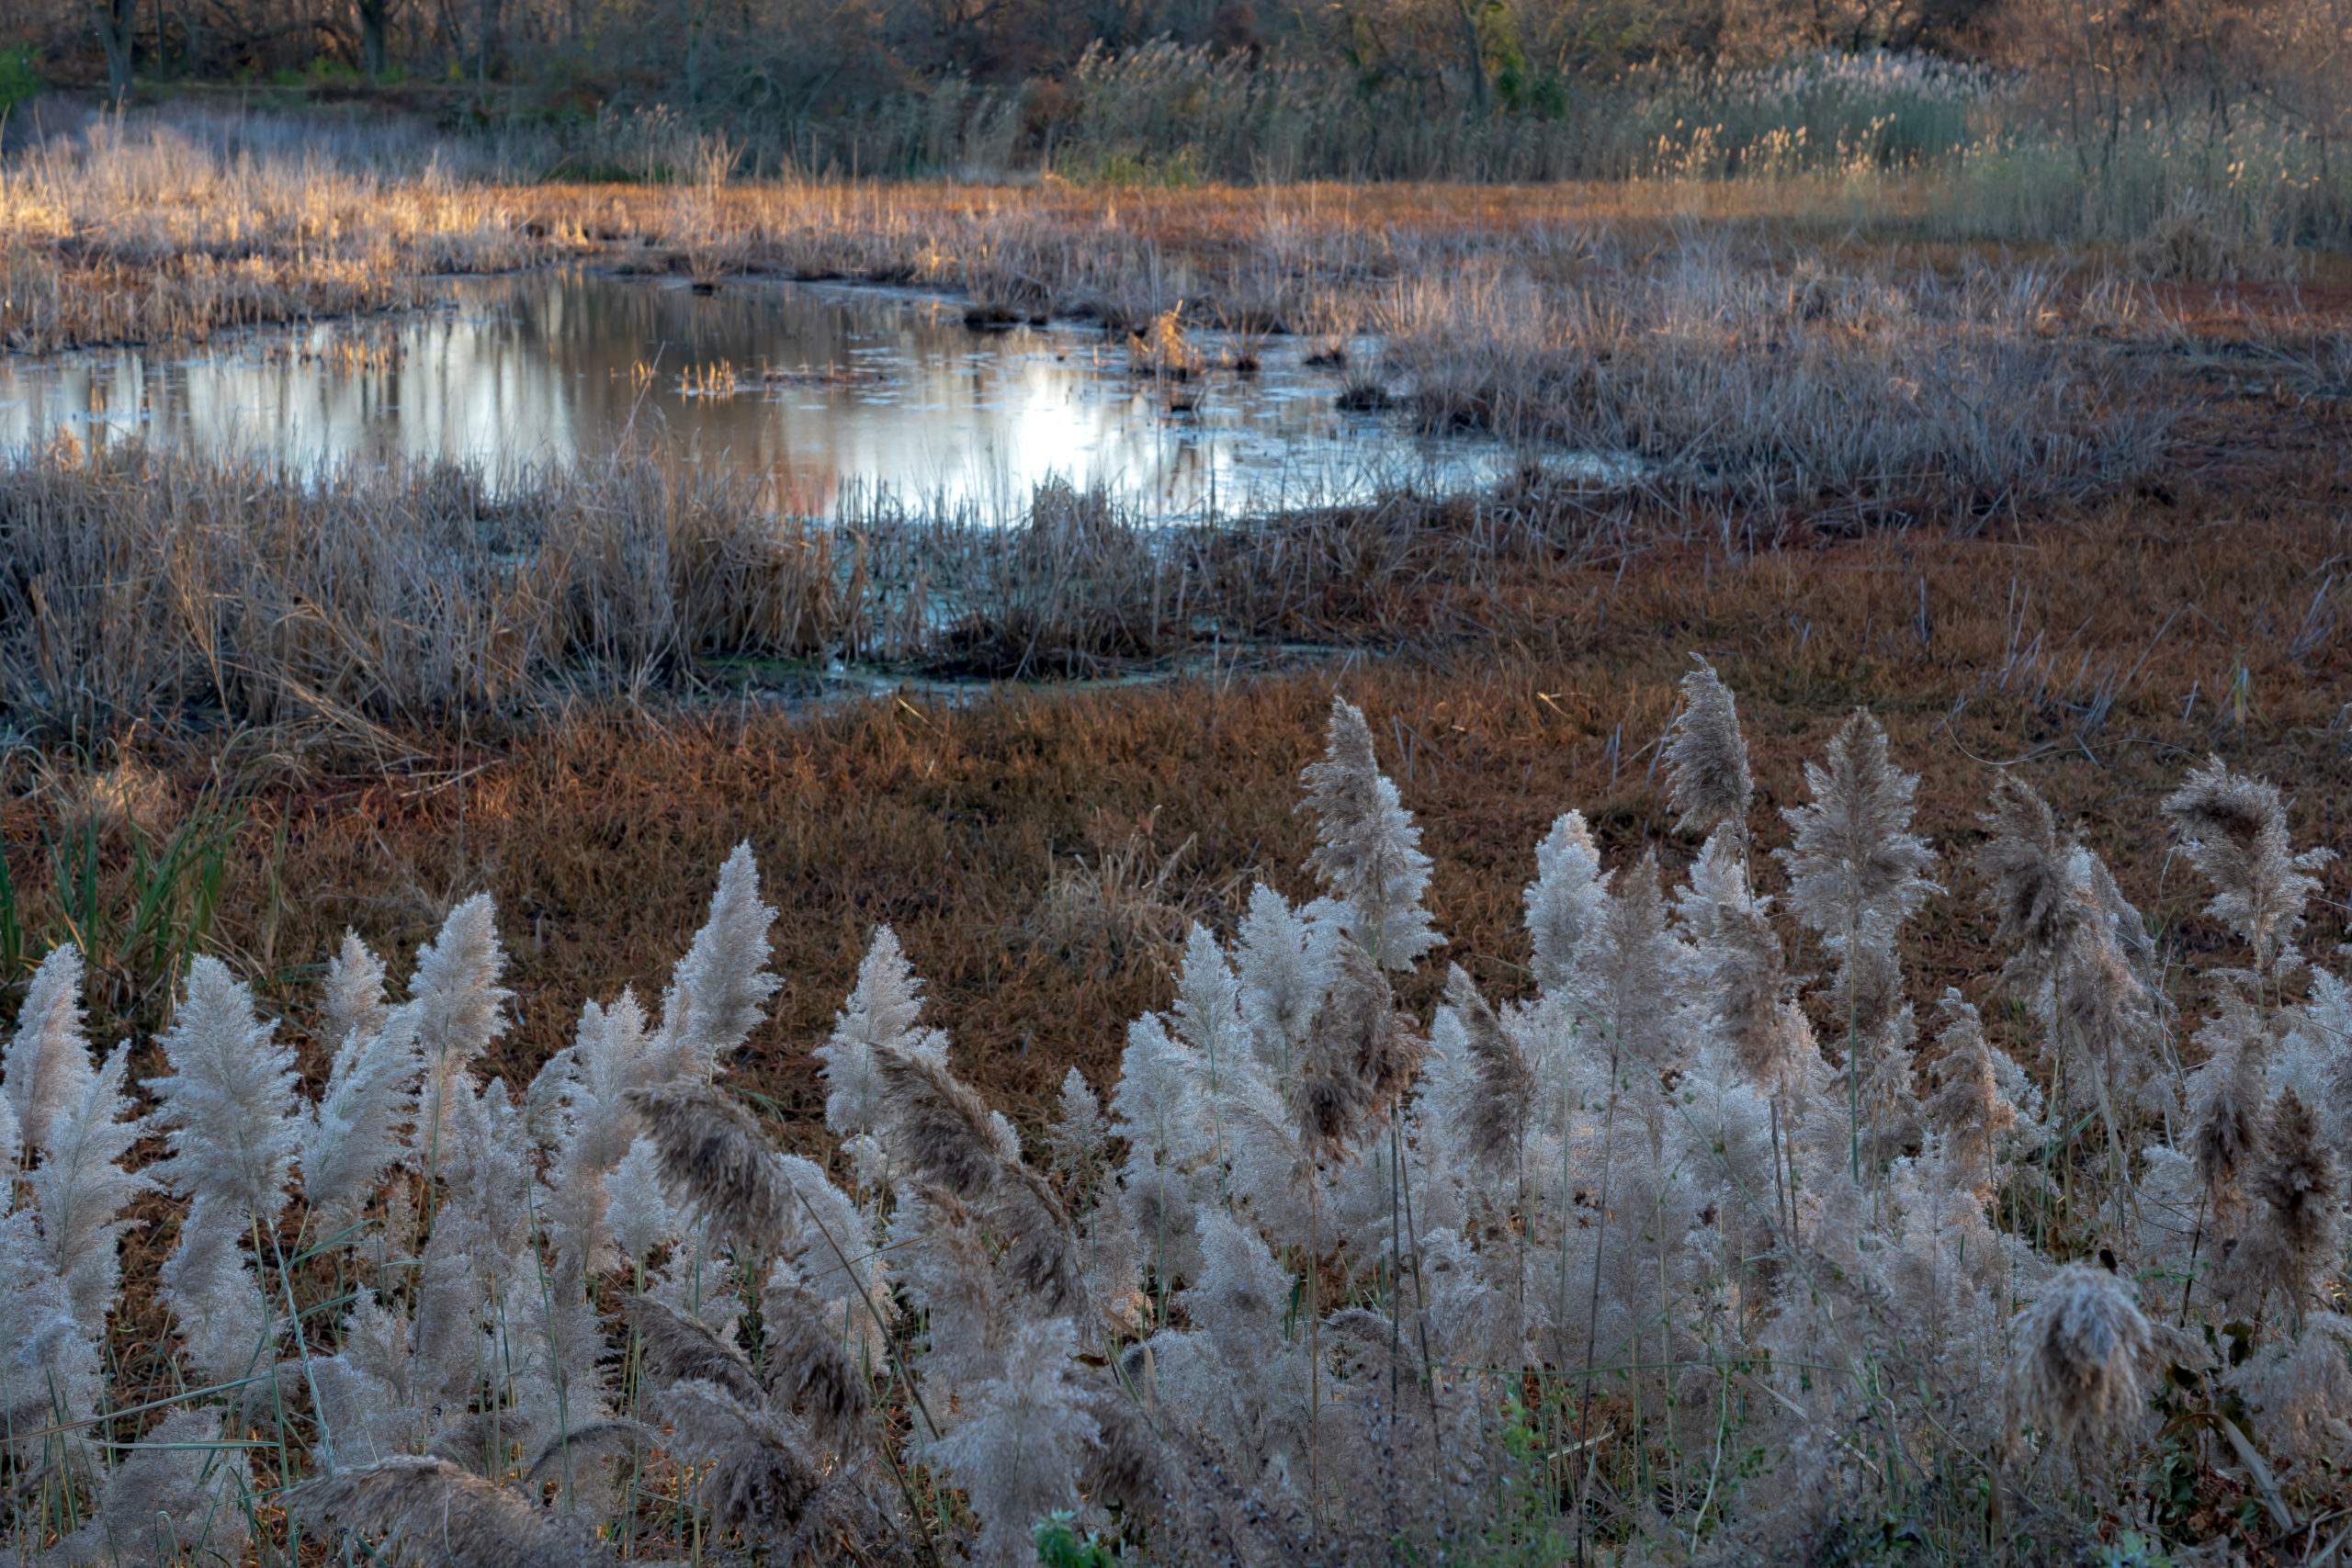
[[1314, 1277]]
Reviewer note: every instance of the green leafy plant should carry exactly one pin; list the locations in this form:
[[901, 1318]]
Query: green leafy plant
[[1060, 1546], [19, 78]]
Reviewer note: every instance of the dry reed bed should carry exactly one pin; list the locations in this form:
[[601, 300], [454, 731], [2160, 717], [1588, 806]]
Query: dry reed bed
[[147, 590]]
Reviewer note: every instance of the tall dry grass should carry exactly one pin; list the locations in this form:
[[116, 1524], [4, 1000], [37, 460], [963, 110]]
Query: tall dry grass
[[168, 231], [146, 588]]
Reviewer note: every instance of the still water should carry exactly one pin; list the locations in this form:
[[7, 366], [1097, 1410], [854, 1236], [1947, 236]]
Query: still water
[[821, 391]]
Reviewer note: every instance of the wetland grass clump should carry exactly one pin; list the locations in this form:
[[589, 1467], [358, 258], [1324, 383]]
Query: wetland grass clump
[[1613, 1254]]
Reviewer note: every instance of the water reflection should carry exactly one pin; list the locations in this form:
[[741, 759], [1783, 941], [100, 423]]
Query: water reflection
[[816, 388]]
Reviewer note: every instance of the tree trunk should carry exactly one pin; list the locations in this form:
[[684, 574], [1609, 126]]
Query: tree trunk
[[1474, 55], [489, 27], [374, 23], [116, 18]]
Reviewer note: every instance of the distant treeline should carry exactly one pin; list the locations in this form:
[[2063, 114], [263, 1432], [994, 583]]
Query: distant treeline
[[1171, 90]]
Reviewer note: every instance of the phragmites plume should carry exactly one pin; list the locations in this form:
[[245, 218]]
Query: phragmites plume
[[610, 1054], [2226, 1099], [762, 1479], [460, 1006], [1080, 1136], [880, 1017], [1208, 1004], [1359, 1055], [947, 1139], [46, 1067], [355, 987], [676, 1347], [357, 1130], [1367, 849], [1706, 757], [808, 1369], [1567, 899], [173, 1498], [1627, 962], [81, 1189], [1857, 872], [721, 987], [2029, 865], [1275, 968], [48, 1367], [434, 1514], [2234, 829], [1969, 1112], [1751, 998], [229, 1101], [713, 1151], [2101, 998], [941, 1128], [1019, 1453], [2293, 1234], [1501, 1084], [636, 1209], [2076, 1374]]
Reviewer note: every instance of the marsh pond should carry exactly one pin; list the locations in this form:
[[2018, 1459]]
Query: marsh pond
[[831, 394]]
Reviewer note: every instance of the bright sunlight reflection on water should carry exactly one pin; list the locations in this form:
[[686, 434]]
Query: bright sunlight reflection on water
[[822, 389]]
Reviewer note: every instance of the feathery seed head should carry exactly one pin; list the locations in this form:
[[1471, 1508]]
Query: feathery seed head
[[1751, 990], [2293, 1236], [2076, 1374], [81, 1189], [434, 1514], [2226, 1098], [1358, 1055], [713, 1151], [679, 1348], [229, 1101], [881, 1015], [1855, 861], [721, 987], [1503, 1083], [358, 1132], [1080, 1136], [938, 1127], [171, 1499], [1567, 899], [2029, 864], [1857, 872], [1277, 973], [809, 1371], [46, 1067], [1969, 1112], [460, 1006], [1706, 756], [761, 1479], [1020, 1453], [1626, 964], [1208, 1001], [2234, 828], [355, 991], [1367, 849], [635, 1209]]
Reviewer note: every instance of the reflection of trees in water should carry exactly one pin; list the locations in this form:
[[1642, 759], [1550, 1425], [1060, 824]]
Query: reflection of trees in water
[[519, 372]]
